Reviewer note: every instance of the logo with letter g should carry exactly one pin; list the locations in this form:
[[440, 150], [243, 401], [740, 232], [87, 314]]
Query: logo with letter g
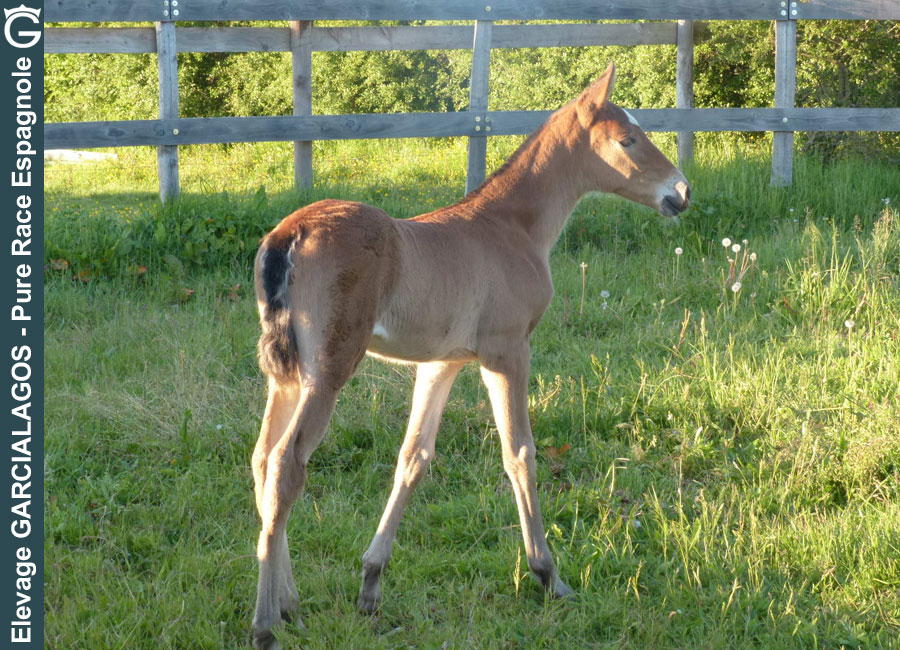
[[21, 12]]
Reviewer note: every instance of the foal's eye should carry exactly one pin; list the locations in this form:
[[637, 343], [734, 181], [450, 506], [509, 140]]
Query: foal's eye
[[627, 142]]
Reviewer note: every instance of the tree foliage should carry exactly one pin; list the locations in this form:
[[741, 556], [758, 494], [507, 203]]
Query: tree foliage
[[839, 63]]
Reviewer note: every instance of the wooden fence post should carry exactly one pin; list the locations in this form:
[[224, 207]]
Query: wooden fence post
[[167, 61], [684, 84], [478, 103], [301, 60], [785, 91]]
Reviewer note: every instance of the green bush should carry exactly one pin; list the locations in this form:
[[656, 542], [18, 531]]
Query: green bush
[[839, 63], [389, 82], [82, 87]]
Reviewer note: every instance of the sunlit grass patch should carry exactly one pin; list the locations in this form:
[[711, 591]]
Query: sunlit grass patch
[[717, 468]]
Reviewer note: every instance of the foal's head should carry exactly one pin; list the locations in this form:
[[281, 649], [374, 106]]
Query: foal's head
[[623, 161]]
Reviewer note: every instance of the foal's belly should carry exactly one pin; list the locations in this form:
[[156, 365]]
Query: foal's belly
[[416, 346]]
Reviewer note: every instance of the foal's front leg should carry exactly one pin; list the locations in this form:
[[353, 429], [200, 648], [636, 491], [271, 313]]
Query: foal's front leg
[[433, 382], [506, 378]]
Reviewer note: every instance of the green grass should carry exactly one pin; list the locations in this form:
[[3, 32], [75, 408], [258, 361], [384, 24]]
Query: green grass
[[731, 476]]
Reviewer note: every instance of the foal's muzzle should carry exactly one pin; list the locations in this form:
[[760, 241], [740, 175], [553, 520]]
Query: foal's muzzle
[[677, 201]]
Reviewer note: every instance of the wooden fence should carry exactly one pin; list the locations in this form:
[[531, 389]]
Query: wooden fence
[[301, 38]]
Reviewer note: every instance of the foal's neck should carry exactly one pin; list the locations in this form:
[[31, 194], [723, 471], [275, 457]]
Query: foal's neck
[[538, 187]]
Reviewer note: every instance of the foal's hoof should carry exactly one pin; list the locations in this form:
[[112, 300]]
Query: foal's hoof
[[265, 640], [369, 599], [290, 612], [562, 590], [370, 589], [368, 605], [293, 616]]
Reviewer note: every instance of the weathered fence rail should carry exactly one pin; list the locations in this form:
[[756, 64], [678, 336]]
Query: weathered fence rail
[[217, 10], [207, 130], [478, 123], [137, 40]]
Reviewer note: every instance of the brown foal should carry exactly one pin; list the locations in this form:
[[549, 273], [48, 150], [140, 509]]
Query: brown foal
[[468, 282]]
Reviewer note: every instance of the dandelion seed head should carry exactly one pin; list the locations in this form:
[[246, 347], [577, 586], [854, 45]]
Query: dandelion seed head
[[886, 200], [218, 427], [736, 248], [752, 257], [849, 324], [679, 250], [736, 287], [604, 294], [726, 242], [746, 242], [583, 266]]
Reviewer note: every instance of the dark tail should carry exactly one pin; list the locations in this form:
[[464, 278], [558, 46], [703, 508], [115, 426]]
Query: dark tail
[[277, 347]]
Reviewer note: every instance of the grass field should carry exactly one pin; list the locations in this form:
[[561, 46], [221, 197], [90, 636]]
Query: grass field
[[717, 468]]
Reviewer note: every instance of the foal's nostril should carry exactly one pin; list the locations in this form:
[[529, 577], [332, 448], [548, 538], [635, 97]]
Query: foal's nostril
[[672, 205], [677, 199]]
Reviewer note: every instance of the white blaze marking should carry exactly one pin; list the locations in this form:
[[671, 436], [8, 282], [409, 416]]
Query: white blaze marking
[[631, 118], [379, 331]]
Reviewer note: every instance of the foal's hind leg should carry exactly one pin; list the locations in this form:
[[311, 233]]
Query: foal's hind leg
[[280, 407], [285, 478], [325, 366]]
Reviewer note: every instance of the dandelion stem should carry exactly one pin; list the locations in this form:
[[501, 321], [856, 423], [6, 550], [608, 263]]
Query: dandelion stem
[[583, 288]]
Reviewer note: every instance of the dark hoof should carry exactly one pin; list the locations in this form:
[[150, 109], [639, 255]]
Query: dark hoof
[[562, 590], [370, 592], [265, 640], [367, 605], [293, 617]]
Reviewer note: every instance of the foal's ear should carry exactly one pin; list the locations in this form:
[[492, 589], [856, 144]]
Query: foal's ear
[[595, 95]]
